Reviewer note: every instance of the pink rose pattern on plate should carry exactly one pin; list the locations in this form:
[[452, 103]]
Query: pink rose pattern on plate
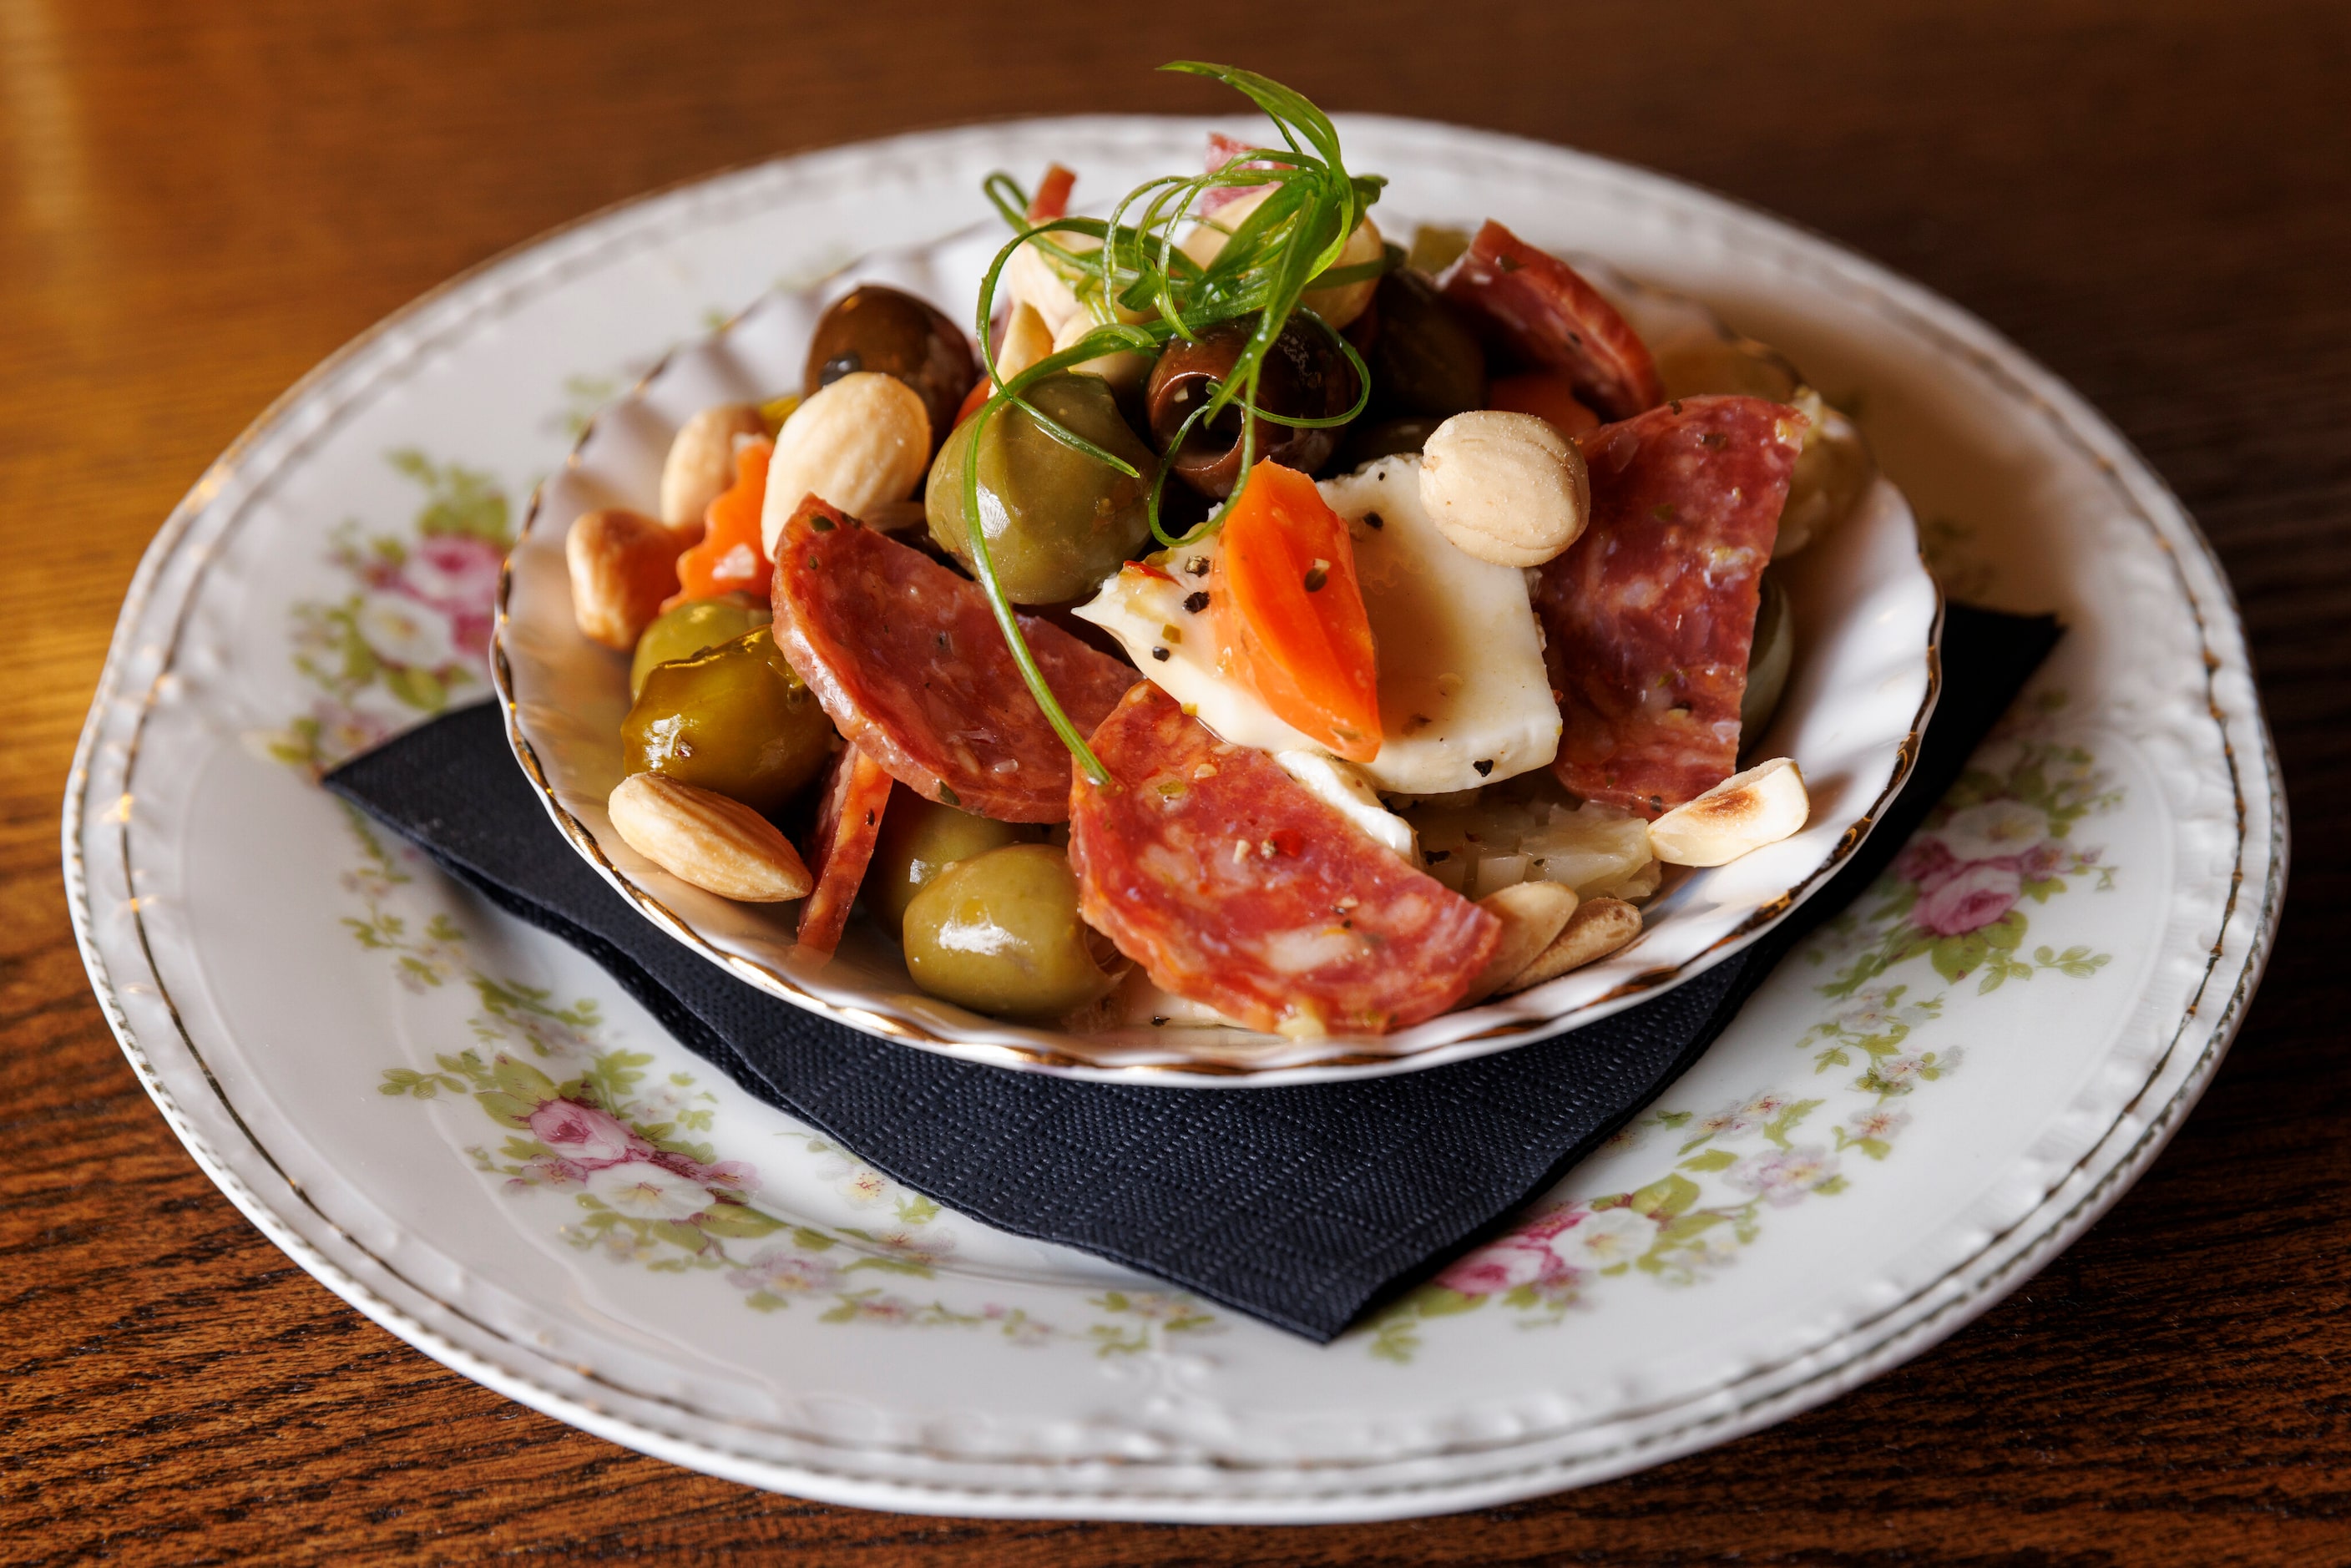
[[414, 628], [1960, 897]]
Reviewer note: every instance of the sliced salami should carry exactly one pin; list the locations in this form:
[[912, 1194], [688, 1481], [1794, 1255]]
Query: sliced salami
[[1648, 617], [1544, 313], [1231, 884], [840, 845], [906, 658]]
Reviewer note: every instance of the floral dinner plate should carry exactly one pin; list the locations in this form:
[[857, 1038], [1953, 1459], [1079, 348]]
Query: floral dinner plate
[[468, 1132]]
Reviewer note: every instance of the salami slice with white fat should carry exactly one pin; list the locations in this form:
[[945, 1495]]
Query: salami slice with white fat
[[840, 846], [1649, 616], [1233, 885], [1544, 313], [906, 658]]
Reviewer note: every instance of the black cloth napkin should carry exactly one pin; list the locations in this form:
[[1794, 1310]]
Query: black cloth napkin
[[1300, 1205]]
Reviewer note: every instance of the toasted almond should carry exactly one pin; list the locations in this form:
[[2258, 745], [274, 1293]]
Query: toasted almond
[[860, 441], [719, 845], [701, 462], [1533, 914], [624, 564], [1745, 811], [1598, 928], [1505, 487]]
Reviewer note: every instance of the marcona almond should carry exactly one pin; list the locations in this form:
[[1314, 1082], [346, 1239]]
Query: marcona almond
[[624, 564], [863, 440], [1598, 928], [1505, 487], [701, 462], [719, 845], [1745, 811], [1533, 914]]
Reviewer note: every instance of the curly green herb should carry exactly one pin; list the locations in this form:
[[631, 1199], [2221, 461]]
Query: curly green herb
[[1289, 243]]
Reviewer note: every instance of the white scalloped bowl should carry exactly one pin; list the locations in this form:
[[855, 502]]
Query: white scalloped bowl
[[1868, 615]]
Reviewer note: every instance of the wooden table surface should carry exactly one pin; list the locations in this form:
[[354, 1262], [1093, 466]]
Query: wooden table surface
[[197, 202]]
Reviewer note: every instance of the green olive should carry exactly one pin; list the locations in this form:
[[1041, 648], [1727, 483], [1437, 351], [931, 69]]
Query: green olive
[[1769, 659], [919, 840], [1424, 361], [1057, 521], [696, 624], [736, 719], [1001, 934]]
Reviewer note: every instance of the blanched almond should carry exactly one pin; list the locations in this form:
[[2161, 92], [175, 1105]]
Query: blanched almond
[[1533, 914], [719, 845], [701, 462], [1598, 928], [1745, 811], [624, 564], [1505, 487], [863, 440]]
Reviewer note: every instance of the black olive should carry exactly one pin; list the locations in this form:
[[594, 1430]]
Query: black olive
[[876, 328], [1425, 360], [1304, 376]]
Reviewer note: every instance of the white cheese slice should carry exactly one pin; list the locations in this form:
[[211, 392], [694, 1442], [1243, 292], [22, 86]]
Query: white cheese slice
[[1461, 679], [1340, 785]]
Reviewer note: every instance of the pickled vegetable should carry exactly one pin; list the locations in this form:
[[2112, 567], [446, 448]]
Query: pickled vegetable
[[884, 330], [1831, 473], [1057, 521], [736, 719], [920, 838], [1001, 934], [686, 630]]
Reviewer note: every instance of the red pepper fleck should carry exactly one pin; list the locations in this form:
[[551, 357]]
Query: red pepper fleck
[[1147, 569], [1287, 840]]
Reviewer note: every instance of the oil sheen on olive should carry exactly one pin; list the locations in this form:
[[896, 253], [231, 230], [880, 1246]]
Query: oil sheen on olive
[[1305, 377], [919, 840], [735, 718], [1001, 934], [1769, 659], [876, 328], [1423, 360], [696, 624], [1057, 521]]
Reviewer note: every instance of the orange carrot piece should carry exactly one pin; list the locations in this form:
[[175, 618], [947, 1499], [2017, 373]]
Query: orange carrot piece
[[1053, 198], [980, 390], [1290, 613], [729, 559], [1549, 395]]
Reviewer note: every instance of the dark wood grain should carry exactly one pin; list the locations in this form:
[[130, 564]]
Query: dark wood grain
[[198, 202]]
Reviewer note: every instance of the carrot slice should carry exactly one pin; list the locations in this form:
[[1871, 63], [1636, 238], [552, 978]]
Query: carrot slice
[[1290, 615], [1549, 395], [1053, 198], [728, 560], [980, 390]]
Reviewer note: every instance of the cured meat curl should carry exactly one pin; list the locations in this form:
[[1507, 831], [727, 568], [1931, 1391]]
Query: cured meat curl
[[1547, 315], [1231, 884], [908, 662], [840, 846], [1649, 616]]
